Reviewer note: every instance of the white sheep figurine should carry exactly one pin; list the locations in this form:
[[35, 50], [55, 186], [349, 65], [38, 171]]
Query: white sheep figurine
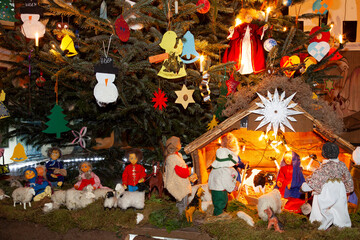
[[23, 195], [3, 195], [110, 200], [58, 198], [129, 199], [76, 199], [101, 192], [272, 200]]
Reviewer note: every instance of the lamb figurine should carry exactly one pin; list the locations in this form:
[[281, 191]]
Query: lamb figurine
[[76, 199], [110, 200], [129, 199], [23, 195]]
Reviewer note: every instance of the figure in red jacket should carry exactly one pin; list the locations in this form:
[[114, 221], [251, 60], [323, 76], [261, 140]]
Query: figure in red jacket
[[134, 173], [246, 48]]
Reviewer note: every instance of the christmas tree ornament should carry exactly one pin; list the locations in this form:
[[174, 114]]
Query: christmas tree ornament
[[19, 154], [105, 90], [57, 122], [204, 87], [4, 112], [184, 96], [172, 67], [213, 123], [80, 137], [67, 45], [322, 6], [337, 55], [231, 84], [159, 99], [40, 81], [287, 62], [323, 36], [329, 85], [30, 15], [269, 44], [122, 29], [205, 8], [103, 10], [287, 3], [189, 53], [7, 11], [318, 50], [59, 29], [276, 112], [133, 26], [308, 62]]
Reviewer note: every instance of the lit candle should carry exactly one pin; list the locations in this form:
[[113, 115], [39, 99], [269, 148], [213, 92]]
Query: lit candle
[[285, 29], [237, 22], [36, 39], [341, 39], [201, 63], [267, 14], [308, 166], [277, 165], [176, 7]]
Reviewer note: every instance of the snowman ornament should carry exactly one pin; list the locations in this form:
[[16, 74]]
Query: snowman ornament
[[30, 15], [105, 90]]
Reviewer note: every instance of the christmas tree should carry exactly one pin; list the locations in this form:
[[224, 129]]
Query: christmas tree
[[95, 31]]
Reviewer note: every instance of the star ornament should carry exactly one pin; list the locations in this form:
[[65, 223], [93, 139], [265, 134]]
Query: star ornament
[[276, 112], [184, 96], [329, 85], [213, 123], [159, 99]]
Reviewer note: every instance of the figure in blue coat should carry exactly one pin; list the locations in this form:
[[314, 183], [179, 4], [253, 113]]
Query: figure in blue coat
[[42, 188]]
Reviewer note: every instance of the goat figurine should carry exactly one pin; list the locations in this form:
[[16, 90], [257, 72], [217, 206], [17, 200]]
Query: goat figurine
[[194, 204], [274, 221]]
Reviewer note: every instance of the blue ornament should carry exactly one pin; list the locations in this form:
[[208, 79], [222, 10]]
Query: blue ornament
[[189, 49], [269, 44], [287, 3]]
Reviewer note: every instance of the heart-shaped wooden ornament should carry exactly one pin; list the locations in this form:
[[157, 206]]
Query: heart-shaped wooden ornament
[[318, 50], [287, 61]]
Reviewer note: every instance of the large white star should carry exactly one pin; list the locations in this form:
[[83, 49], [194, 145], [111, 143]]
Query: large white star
[[276, 112]]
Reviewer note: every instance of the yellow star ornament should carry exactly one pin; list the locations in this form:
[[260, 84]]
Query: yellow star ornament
[[184, 96], [213, 123]]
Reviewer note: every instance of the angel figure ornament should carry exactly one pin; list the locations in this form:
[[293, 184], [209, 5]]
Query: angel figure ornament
[[245, 46], [172, 67], [105, 90], [30, 15]]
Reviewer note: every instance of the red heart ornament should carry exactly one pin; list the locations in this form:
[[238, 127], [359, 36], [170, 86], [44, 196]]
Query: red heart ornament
[[122, 29], [320, 37], [206, 7], [287, 61]]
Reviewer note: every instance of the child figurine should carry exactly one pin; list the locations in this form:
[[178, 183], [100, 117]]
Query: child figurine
[[176, 177], [289, 181], [87, 177], [55, 171], [355, 173], [222, 178], [134, 173], [245, 46], [42, 188], [330, 183]]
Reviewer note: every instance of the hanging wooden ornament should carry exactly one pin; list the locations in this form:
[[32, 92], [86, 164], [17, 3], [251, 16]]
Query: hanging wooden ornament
[[189, 53], [105, 90], [103, 10], [67, 45], [269, 44], [318, 50], [159, 99], [57, 123], [122, 29], [133, 26], [329, 85], [4, 112], [172, 67], [30, 15], [231, 84], [206, 7], [80, 137], [40, 81], [213, 123], [184, 96], [337, 55], [204, 87], [308, 62], [60, 26], [287, 61], [323, 36], [19, 154]]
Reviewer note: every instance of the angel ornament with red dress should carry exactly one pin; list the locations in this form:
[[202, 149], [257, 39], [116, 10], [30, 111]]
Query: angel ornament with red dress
[[245, 46]]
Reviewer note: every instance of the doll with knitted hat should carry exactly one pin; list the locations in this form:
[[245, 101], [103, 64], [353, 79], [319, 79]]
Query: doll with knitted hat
[[330, 184], [134, 174], [42, 187], [355, 173], [87, 177], [222, 178], [176, 176]]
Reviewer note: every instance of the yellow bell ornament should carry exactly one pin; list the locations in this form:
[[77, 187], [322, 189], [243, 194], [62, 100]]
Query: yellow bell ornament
[[67, 45], [19, 154]]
